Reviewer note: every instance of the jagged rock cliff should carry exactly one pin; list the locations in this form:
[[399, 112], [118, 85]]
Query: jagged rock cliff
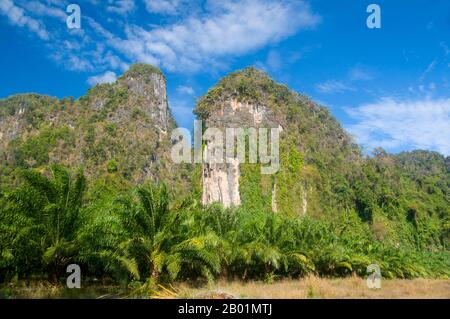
[[148, 86], [221, 181], [119, 128], [312, 145], [119, 133]]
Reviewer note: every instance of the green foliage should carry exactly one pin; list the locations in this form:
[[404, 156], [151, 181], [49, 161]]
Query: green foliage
[[337, 211], [41, 218], [254, 188], [112, 166], [141, 69], [31, 106], [245, 85], [35, 150], [152, 241], [111, 129], [136, 234], [290, 191], [137, 113], [330, 161]]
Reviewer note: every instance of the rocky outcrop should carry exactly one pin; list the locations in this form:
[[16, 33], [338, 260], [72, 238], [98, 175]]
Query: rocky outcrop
[[221, 180], [121, 128], [274, 198], [150, 88], [124, 123], [313, 145], [241, 114], [304, 203], [18, 116]]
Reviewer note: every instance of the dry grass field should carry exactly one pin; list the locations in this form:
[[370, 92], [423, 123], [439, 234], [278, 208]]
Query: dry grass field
[[314, 287], [310, 287]]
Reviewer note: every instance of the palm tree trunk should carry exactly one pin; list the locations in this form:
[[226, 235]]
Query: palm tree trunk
[[155, 275]]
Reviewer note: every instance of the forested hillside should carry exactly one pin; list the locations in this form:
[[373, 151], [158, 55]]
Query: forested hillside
[[90, 181]]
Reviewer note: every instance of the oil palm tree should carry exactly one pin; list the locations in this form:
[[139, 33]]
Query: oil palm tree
[[48, 206], [157, 239], [266, 244]]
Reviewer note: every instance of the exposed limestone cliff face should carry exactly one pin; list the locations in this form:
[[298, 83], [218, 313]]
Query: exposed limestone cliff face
[[313, 146], [304, 203], [17, 118], [11, 126], [120, 127], [274, 198], [151, 90], [220, 183], [234, 113]]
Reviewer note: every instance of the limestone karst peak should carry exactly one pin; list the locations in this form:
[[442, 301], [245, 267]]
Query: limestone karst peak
[[141, 70]]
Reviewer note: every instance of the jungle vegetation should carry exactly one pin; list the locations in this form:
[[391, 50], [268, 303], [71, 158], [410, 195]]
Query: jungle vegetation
[[142, 233], [88, 181]]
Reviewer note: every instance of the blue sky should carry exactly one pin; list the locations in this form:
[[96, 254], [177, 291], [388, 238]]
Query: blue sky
[[389, 87]]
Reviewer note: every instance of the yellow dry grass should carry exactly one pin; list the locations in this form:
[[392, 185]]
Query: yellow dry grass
[[314, 287], [304, 288]]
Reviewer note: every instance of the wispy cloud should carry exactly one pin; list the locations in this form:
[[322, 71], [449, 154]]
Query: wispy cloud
[[207, 37], [230, 29], [408, 124], [360, 73], [276, 61], [350, 83], [185, 90], [120, 6], [169, 7], [334, 86], [107, 77], [429, 68], [182, 111], [43, 10], [17, 16]]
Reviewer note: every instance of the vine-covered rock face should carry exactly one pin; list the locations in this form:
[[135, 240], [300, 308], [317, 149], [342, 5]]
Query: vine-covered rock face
[[221, 180], [313, 146], [125, 123]]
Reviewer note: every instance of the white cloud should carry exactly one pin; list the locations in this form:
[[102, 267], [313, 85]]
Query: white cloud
[[120, 6], [41, 9], [107, 77], [185, 90], [359, 73], [163, 6], [333, 86], [75, 63], [274, 60], [411, 124], [231, 29], [17, 16], [206, 36]]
